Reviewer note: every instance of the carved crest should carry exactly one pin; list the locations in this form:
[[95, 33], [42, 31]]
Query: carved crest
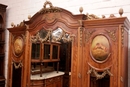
[[51, 9]]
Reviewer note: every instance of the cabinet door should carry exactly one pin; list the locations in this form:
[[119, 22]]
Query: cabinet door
[[49, 85], [58, 81], [58, 84], [50, 82]]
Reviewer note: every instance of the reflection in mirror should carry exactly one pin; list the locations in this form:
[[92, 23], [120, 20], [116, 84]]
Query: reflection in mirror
[[43, 33], [37, 68], [46, 51], [57, 34], [35, 50]]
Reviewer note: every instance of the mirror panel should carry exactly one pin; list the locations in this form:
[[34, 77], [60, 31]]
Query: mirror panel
[[43, 33]]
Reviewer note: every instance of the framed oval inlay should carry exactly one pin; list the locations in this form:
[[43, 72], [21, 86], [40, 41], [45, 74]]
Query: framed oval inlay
[[100, 48], [18, 45]]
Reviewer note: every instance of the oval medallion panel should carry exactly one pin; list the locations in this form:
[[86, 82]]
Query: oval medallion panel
[[18, 46], [100, 48]]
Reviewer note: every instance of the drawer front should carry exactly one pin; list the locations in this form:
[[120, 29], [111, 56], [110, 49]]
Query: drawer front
[[37, 83], [59, 78]]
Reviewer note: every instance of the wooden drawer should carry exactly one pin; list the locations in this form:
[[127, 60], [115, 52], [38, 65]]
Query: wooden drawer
[[59, 78], [37, 83]]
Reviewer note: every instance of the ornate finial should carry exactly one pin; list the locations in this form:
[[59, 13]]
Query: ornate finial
[[112, 15], [12, 24], [103, 16], [29, 17], [81, 9], [49, 9], [47, 3], [121, 11]]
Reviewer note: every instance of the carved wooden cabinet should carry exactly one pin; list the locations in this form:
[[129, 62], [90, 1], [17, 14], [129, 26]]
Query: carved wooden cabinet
[[2, 43], [36, 47], [105, 52], [88, 50]]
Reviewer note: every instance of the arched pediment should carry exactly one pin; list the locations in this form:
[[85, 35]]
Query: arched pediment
[[53, 17]]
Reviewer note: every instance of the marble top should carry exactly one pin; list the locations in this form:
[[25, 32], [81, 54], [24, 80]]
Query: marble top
[[46, 75]]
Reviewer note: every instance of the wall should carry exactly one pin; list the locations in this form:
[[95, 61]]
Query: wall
[[18, 10]]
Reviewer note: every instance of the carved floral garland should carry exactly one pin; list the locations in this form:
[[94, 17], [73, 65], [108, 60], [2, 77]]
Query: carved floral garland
[[17, 65], [100, 76], [49, 36]]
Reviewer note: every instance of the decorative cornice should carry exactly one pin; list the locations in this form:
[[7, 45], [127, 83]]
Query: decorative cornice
[[92, 17], [22, 24], [3, 7]]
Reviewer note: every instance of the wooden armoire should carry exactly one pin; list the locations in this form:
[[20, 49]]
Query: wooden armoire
[[55, 48], [2, 43]]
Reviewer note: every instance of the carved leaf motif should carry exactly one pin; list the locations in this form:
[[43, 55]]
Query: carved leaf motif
[[111, 34]]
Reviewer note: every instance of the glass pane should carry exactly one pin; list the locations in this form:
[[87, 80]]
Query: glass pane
[[35, 51], [55, 52], [35, 68], [38, 68], [46, 51]]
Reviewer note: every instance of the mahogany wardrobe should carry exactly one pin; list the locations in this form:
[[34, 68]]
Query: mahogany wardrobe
[[55, 48]]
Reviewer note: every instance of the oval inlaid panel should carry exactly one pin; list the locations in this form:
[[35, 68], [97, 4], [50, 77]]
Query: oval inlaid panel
[[100, 48], [18, 45]]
